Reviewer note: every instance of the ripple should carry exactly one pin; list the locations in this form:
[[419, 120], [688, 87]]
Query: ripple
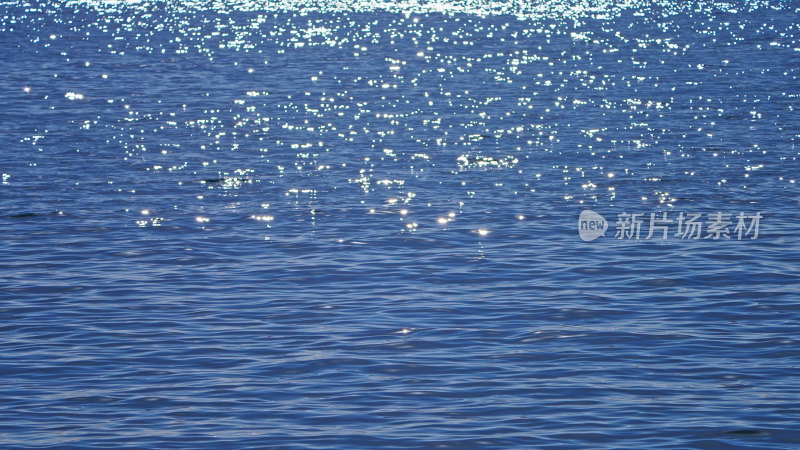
[[351, 224]]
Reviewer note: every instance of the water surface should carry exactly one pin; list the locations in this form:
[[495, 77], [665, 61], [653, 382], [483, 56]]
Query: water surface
[[354, 224]]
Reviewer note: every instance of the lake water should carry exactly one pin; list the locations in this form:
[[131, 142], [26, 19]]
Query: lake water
[[355, 224]]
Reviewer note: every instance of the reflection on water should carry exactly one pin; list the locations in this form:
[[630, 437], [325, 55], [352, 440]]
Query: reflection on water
[[353, 223]]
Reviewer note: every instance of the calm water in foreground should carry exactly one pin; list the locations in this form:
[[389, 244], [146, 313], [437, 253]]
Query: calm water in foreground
[[355, 224]]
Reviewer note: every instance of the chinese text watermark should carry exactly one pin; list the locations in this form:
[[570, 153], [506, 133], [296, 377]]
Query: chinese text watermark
[[688, 226]]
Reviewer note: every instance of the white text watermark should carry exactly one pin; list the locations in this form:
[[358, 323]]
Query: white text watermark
[[664, 225]]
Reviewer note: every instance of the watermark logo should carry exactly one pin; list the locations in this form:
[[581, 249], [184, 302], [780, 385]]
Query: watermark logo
[[687, 226], [591, 225]]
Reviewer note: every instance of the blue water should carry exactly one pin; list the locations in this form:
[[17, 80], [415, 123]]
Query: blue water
[[354, 224]]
